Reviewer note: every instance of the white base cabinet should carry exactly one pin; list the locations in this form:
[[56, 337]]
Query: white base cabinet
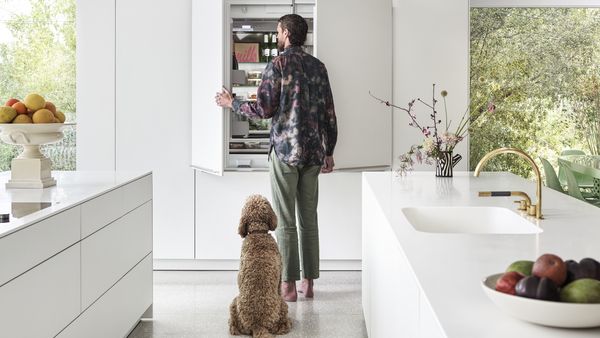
[[393, 303], [41, 302], [218, 214], [111, 252], [83, 269], [121, 306]]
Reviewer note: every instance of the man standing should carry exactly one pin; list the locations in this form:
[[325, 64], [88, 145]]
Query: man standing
[[295, 94]]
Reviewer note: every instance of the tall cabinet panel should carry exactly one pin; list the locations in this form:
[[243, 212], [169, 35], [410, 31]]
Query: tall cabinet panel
[[95, 94], [208, 70], [354, 40], [153, 60]]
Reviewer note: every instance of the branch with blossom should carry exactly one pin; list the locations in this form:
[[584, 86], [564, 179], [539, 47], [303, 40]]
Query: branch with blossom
[[434, 142]]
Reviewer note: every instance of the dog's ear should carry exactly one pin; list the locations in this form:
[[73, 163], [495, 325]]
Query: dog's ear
[[243, 227], [273, 223]]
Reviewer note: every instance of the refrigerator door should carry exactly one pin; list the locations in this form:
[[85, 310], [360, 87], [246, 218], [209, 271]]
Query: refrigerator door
[[208, 65], [354, 40]]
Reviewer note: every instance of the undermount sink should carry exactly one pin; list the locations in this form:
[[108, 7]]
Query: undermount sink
[[470, 220]]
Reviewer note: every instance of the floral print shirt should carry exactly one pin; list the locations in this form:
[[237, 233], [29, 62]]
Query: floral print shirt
[[296, 96]]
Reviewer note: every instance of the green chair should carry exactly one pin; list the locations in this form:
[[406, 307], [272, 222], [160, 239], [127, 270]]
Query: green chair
[[573, 187], [584, 181], [552, 181]]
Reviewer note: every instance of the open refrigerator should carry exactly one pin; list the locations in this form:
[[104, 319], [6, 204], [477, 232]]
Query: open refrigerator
[[352, 37], [252, 44]]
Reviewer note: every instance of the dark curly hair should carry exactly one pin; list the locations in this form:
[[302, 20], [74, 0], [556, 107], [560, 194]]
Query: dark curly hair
[[297, 26]]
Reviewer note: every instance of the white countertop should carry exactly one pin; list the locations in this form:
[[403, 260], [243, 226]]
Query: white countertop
[[449, 267], [72, 188]]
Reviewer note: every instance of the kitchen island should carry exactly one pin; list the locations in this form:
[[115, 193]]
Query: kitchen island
[[76, 258], [427, 284]]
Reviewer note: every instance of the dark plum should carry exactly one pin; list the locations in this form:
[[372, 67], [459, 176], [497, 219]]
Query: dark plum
[[537, 288]]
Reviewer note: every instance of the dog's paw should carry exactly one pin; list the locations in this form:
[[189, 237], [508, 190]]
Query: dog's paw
[[234, 331]]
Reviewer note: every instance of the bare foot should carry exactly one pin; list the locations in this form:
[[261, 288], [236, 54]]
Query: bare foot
[[288, 291], [307, 288]]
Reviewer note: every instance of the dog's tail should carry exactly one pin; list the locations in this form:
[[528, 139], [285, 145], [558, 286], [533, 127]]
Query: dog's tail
[[261, 332]]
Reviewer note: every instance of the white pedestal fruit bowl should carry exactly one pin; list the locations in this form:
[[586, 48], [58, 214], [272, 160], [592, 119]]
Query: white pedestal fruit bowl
[[31, 169]]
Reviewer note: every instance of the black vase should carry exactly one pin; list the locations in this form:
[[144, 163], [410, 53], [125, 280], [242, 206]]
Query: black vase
[[445, 162]]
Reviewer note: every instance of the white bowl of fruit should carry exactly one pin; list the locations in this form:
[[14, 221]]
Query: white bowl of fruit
[[549, 291], [31, 123]]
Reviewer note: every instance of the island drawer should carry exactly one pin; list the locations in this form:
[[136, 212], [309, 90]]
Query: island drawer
[[137, 193], [24, 249], [109, 206], [44, 300], [119, 308], [109, 253]]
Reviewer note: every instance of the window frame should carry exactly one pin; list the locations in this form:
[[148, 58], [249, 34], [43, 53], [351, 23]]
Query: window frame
[[533, 3]]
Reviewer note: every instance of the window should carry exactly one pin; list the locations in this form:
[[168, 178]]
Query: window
[[541, 68], [37, 55]]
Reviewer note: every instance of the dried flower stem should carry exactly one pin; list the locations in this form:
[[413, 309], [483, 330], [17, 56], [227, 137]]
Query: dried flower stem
[[438, 141], [408, 110], [446, 113]]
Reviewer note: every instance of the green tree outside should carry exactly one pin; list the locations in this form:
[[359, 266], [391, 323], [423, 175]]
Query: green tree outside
[[40, 58], [540, 67]]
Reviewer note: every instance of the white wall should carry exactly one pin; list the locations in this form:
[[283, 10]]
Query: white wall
[[431, 45]]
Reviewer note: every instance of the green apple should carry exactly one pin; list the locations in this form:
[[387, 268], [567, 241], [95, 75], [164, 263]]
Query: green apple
[[524, 267], [584, 290]]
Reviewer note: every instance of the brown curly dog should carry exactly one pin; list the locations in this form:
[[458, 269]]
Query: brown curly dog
[[259, 310]]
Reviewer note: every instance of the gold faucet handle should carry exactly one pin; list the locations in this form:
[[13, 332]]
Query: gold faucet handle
[[531, 211], [522, 205]]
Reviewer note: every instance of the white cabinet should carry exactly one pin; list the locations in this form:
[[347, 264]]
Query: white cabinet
[[132, 293], [219, 213], [109, 206], [218, 216], [112, 251], [208, 76], [95, 94], [38, 242], [354, 40], [100, 211], [393, 303], [41, 302], [91, 283], [153, 103], [389, 291]]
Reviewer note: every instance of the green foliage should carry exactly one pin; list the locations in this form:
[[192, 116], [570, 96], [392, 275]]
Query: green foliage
[[41, 59], [533, 64]]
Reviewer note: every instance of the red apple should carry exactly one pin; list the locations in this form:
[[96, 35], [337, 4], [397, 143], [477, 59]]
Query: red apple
[[551, 267], [507, 282], [20, 108], [10, 102]]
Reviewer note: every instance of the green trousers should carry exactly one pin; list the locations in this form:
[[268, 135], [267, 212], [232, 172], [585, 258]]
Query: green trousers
[[295, 190]]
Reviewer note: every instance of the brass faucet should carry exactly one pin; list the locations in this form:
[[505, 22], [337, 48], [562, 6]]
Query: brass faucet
[[524, 204], [535, 209]]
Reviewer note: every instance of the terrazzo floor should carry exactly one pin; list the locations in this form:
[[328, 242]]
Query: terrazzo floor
[[196, 303]]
